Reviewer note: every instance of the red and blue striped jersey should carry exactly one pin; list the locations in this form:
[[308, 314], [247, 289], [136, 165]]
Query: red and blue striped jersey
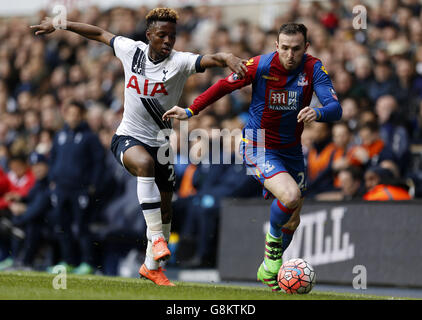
[[277, 97]]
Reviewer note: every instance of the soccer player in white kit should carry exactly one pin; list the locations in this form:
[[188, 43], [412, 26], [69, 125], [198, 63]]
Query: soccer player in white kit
[[154, 78]]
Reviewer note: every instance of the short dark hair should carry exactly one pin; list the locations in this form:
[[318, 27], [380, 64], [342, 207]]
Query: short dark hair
[[371, 126], [354, 171], [79, 105], [161, 14], [293, 28]]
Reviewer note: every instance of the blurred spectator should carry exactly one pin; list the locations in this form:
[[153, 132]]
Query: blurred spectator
[[372, 149], [392, 131], [351, 112], [350, 186], [379, 186], [416, 124], [319, 159], [383, 82], [21, 180], [76, 165], [30, 214]]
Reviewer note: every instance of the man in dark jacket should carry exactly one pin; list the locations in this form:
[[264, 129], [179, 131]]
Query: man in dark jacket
[[76, 165]]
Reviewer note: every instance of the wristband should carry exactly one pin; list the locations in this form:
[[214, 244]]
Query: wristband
[[189, 112], [318, 112]]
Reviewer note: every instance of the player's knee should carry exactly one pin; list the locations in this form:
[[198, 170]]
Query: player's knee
[[291, 198]]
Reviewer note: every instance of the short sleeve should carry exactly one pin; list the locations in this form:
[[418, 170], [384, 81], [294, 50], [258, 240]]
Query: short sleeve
[[189, 63], [121, 46]]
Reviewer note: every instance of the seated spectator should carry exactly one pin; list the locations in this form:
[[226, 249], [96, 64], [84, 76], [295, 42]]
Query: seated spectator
[[21, 180], [320, 156], [350, 186], [30, 214], [380, 186], [342, 140], [372, 149]]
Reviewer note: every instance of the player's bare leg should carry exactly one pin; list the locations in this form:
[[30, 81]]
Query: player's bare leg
[[284, 219]]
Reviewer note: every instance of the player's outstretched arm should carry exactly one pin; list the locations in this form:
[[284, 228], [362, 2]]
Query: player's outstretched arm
[[222, 59], [86, 30]]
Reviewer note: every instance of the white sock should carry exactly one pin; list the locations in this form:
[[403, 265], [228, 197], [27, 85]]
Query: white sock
[[150, 200], [150, 263]]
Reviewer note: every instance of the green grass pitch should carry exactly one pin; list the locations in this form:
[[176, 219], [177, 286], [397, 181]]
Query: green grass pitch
[[39, 286]]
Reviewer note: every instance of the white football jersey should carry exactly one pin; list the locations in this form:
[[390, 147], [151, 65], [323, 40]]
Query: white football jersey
[[150, 88]]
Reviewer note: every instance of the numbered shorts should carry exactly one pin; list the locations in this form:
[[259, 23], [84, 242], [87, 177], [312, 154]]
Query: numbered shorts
[[164, 173], [264, 163]]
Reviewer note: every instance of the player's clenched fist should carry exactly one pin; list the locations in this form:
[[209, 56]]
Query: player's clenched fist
[[176, 113], [46, 26]]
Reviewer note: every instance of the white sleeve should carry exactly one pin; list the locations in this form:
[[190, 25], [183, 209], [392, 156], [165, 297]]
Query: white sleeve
[[189, 62], [122, 46]]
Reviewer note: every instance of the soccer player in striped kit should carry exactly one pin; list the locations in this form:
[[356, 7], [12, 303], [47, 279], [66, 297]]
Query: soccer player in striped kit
[[154, 76], [283, 83]]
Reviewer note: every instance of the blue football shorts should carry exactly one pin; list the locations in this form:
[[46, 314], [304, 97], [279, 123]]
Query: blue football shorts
[[264, 163]]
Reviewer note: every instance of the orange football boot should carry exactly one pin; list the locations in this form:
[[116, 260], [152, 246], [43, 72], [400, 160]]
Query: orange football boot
[[160, 250], [156, 276]]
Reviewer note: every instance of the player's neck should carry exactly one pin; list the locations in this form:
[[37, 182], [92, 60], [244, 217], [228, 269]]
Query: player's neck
[[155, 59]]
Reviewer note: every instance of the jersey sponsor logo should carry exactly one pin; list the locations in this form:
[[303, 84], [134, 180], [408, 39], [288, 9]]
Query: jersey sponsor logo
[[158, 87], [270, 78], [302, 81], [283, 100]]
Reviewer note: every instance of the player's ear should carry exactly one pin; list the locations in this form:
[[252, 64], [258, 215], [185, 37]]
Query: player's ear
[[307, 44]]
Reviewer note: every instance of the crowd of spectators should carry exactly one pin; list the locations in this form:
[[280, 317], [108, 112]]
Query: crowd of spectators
[[377, 74]]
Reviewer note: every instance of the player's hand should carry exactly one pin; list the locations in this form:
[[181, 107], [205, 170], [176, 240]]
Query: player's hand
[[307, 115], [45, 27], [237, 65], [176, 113]]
